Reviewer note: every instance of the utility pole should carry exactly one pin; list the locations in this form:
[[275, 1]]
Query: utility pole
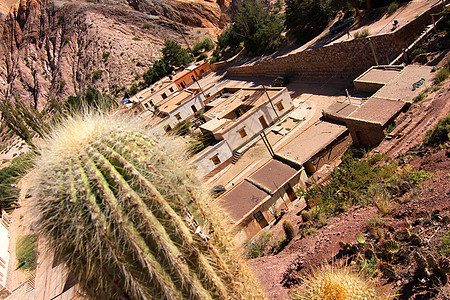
[[270, 100], [373, 51]]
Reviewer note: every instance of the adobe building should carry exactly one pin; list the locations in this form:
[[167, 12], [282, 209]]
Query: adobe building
[[391, 91], [256, 202], [234, 117], [190, 74], [243, 115]]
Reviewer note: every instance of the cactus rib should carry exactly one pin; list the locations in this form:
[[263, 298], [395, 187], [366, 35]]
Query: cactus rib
[[122, 215]]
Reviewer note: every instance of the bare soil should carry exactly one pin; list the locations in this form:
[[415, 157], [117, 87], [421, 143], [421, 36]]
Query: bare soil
[[279, 273]]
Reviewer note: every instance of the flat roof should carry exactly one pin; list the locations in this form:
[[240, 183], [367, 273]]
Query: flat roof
[[401, 87], [377, 111], [245, 96], [214, 124], [174, 100], [340, 109], [310, 142], [242, 199], [380, 74], [273, 175]]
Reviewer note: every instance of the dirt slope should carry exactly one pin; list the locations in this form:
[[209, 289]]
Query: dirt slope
[[52, 48], [277, 272]]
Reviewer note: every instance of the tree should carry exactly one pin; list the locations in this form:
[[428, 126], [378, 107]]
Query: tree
[[255, 28], [159, 69], [306, 18], [175, 55]]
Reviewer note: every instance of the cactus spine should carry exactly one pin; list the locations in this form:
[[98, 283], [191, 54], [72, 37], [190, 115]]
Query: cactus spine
[[127, 218]]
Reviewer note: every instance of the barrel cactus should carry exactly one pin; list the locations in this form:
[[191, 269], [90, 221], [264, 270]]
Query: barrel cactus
[[129, 219]]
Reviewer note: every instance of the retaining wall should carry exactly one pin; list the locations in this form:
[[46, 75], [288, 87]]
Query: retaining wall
[[346, 59]]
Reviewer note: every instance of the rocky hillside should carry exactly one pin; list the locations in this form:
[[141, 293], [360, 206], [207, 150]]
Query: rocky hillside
[[56, 48]]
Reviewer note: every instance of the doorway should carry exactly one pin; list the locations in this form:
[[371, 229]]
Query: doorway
[[263, 122]]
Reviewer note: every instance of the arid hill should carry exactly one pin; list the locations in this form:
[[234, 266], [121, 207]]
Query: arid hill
[[56, 48]]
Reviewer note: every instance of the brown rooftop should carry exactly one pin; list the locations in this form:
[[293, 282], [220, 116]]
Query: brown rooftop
[[273, 175], [175, 100], [379, 75], [376, 110], [401, 87], [242, 199], [340, 109], [310, 142], [254, 97]]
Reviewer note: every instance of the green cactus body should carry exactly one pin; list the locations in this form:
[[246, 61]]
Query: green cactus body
[[361, 239], [391, 246], [125, 217], [387, 270]]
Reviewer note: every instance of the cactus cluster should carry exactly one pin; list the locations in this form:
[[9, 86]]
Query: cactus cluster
[[429, 267], [128, 219]]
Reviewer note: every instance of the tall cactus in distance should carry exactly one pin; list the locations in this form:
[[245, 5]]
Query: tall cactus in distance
[[129, 219]]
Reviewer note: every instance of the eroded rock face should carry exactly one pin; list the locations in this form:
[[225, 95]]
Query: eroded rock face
[[57, 48]]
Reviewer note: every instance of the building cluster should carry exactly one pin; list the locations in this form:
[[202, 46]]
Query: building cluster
[[236, 117]]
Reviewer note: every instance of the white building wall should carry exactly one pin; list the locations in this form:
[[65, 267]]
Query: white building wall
[[204, 163], [251, 123], [185, 110], [157, 98]]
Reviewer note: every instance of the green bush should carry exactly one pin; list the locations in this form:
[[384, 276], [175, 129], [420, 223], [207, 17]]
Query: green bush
[[444, 246], [9, 177], [392, 7], [362, 33], [148, 26], [97, 74], [419, 97], [105, 55], [202, 56], [442, 75], [257, 247], [356, 182], [440, 134], [26, 252]]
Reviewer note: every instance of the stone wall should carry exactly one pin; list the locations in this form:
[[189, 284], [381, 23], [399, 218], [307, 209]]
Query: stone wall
[[346, 59]]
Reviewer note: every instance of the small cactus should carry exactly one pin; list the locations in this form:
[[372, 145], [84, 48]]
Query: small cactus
[[415, 240], [387, 270], [373, 232], [369, 254], [432, 263], [306, 216], [360, 238], [391, 246], [380, 233], [444, 265], [421, 263], [288, 230], [128, 219]]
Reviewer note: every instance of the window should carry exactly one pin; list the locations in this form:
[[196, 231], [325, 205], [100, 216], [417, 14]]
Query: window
[[202, 71], [280, 106], [171, 89], [167, 128], [178, 116], [243, 133], [194, 109], [215, 159], [258, 216], [164, 96]]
